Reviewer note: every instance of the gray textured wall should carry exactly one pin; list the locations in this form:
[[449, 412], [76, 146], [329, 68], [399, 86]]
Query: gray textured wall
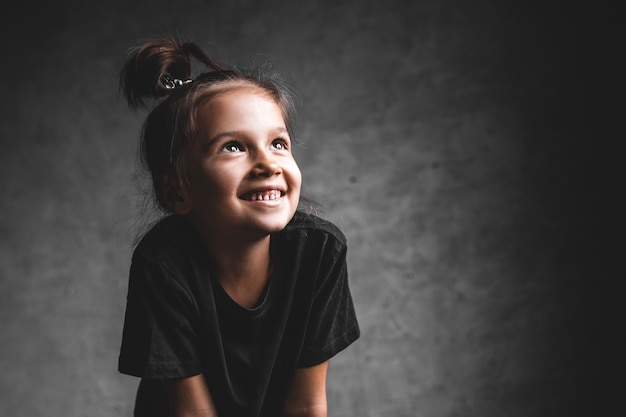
[[464, 147]]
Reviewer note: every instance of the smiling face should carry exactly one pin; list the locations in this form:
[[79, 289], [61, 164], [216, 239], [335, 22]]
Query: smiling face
[[242, 181]]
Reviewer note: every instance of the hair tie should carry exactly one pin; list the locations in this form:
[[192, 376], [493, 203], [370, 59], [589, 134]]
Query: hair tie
[[172, 83]]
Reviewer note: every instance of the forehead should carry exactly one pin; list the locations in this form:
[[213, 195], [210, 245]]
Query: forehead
[[242, 105]]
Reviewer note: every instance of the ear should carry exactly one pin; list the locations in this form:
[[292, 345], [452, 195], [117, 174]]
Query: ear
[[175, 196]]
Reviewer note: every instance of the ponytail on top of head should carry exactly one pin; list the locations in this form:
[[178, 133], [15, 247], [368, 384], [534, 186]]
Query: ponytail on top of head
[[149, 66]]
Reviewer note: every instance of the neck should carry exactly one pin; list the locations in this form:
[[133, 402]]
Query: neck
[[243, 268], [241, 262]]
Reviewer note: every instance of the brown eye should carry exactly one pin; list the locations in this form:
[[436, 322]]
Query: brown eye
[[279, 144], [231, 147]]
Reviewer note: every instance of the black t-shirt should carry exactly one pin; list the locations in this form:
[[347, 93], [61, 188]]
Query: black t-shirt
[[180, 322]]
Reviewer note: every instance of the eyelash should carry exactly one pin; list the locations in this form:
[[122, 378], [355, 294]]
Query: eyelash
[[283, 142]]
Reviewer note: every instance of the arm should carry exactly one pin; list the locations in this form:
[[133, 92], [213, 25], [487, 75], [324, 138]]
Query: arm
[[307, 395], [189, 397]]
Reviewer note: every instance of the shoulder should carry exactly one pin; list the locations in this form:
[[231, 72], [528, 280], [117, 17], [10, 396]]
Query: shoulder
[[306, 222], [170, 238], [170, 255]]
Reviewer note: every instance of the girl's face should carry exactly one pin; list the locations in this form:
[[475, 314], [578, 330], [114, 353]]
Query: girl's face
[[242, 179]]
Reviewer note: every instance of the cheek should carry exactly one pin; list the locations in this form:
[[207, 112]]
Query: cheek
[[295, 177], [203, 181]]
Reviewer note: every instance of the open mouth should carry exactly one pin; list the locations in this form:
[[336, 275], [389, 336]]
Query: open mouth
[[266, 195]]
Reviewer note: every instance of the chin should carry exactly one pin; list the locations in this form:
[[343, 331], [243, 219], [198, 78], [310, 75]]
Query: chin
[[274, 227], [274, 224]]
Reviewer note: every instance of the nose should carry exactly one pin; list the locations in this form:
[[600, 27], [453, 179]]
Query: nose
[[265, 166]]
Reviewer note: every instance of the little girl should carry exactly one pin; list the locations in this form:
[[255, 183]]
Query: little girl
[[236, 300]]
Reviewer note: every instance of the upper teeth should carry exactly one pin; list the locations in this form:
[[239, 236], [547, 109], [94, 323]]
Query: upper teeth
[[265, 195]]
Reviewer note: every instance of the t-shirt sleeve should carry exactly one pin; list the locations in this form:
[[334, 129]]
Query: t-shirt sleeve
[[159, 339], [333, 324]]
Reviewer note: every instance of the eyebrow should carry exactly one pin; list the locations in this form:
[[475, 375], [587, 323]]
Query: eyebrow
[[235, 133]]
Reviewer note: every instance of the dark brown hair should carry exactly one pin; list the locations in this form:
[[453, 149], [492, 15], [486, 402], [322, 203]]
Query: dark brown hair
[[158, 73]]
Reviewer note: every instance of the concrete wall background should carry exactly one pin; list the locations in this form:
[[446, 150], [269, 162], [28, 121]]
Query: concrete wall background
[[466, 149]]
